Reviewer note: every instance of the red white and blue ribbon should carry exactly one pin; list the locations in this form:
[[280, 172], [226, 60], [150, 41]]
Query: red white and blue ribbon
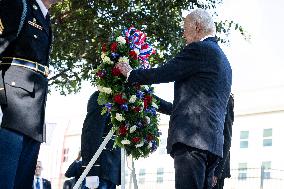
[[137, 41]]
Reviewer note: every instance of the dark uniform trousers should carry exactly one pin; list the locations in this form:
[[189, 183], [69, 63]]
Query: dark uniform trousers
[[23, 88]]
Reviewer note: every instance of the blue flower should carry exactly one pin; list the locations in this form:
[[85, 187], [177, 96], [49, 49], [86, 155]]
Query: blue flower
[[108, 106], [151, 110], [114, 57], [124, 107], [154, 146], [139, 94]]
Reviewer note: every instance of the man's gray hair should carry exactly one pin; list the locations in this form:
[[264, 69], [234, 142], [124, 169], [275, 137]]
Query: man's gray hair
[[204, 19]]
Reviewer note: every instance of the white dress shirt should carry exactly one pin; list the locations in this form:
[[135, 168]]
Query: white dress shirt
[[40, 182], [42, 7]]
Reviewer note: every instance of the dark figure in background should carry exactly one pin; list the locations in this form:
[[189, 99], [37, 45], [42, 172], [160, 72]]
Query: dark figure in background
[[95, 129], [68, 184], [39, 182], [25, 40], [75, 170], [203, 78], [222, 171]]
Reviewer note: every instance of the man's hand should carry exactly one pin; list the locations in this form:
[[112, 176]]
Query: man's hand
[[79, 156], [124, 68], [214, 181]]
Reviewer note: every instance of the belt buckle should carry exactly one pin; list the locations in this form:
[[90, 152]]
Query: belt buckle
[[36, 68]]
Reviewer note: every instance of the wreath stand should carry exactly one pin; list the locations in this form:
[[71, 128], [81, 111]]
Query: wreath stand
[[123, 158]]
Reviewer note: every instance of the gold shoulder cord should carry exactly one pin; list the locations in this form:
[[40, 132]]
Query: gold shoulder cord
[[1, 27]]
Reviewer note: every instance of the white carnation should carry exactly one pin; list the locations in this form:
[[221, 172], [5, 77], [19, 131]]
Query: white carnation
[[132, 99], [104, 89], [150, 145], [123, 59], [147, 119], [140, 144], [125, 142], [146, 87], [107, 60], [133, 128], [137, 51], [103, 55], [121, 40], [119, 117]]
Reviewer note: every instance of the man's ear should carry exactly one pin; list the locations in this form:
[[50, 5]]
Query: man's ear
[[198, 27]]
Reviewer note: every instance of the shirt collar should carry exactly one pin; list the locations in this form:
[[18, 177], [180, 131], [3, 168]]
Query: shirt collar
[[207, 36], [42, 7], [35, 178]]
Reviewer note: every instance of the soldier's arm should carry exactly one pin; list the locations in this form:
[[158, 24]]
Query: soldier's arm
[[10, 18]]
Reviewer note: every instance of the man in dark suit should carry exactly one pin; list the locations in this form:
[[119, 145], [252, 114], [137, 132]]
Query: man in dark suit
[[222, 171], [95, 129], [39, 182], [25, 40], [202, 76], [75, 170]]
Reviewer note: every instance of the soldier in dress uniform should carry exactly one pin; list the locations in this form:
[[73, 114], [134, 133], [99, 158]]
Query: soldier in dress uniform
[[25, 40], [95, 129]]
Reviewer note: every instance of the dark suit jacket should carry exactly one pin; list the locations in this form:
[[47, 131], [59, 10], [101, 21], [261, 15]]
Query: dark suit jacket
[[95, 128], [203, 77], [46, 184], [223, 168], [24, 95], [74, 170]]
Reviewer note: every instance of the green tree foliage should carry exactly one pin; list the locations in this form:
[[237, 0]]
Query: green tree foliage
[[81, 26]]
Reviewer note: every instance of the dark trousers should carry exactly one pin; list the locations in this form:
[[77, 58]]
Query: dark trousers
[[18, 157], [194, 168], [106, 184]]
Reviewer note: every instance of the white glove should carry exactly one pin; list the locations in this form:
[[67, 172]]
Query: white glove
[[92, 182]]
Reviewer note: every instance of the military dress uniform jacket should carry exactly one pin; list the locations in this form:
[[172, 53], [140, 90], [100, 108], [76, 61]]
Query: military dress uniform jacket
[[95, 128], [23, 90]]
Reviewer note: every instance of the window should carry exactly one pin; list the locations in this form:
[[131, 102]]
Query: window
[[265, 169], [267, 137], [242, 171], [65, 154], [244, 139], [142, 173], [160, 173], [162, 148]]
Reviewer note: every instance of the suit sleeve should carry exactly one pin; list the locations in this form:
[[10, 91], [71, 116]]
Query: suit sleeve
[[186, 63], [72, 170], [10, 16], [92, 133], [164, 106], [227, 138]]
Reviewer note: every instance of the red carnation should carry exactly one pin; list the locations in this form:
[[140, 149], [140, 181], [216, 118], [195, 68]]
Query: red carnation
[[137, 109], [113, 47], [100, 74], [122, 130], [104, 48], [126, 39], [149, 137], [136, 139], [133, 55], [115, 71], [147, 100], [119, 99]]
